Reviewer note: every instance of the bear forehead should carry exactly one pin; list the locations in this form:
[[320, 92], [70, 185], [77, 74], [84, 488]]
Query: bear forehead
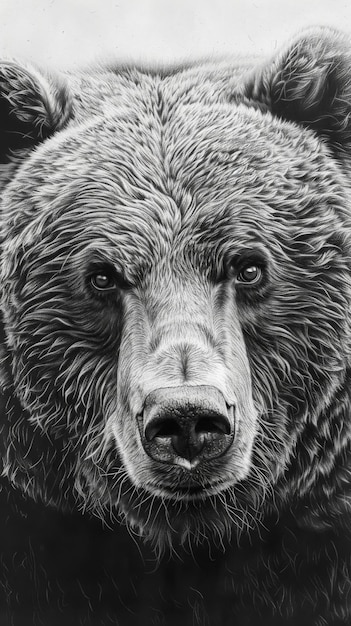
[[152, 164]]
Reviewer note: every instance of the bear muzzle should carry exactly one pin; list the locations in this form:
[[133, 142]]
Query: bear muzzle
[[186, 425]]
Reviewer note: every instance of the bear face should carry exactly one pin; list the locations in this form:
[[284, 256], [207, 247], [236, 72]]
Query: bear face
[[176, 291]]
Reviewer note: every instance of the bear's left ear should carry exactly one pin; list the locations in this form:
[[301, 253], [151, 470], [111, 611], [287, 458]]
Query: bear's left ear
[[33, 105], [310, 83]]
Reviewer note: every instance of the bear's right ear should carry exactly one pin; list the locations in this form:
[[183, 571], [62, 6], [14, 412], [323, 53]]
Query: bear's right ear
[[33, 105], [309, 82]]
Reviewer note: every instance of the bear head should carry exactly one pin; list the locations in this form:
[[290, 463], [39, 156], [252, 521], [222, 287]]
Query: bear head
[[175, 289]]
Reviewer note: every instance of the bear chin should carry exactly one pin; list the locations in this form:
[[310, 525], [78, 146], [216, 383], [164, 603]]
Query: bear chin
[[186, 524], [187, 521]]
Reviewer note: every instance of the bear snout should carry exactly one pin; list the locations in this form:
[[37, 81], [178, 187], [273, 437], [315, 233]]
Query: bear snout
[[186, 425]]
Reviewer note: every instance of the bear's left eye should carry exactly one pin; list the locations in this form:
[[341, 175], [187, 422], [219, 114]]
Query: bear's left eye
[[249, 275]]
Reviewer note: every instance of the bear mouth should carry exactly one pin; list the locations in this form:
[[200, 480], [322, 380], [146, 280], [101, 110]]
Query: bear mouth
[[189, 492]]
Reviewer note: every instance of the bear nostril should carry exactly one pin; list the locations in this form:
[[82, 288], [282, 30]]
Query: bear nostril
[[211, 424], [165, 427], [162, 428]]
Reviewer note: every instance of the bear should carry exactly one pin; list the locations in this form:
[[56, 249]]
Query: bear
[[176, 341]]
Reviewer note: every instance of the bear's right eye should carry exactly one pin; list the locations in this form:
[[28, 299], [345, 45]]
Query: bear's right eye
[[103, 281]]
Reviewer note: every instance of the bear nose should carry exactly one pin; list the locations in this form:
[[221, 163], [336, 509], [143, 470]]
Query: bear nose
[[186, 424]]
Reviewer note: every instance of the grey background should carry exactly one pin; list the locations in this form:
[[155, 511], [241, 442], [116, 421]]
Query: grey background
[[67, 32]]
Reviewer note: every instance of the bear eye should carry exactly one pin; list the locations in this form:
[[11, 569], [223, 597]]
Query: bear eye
[[103, 281], [249, 275]]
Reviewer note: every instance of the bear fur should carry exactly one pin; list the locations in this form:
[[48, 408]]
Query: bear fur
[[136, 205]]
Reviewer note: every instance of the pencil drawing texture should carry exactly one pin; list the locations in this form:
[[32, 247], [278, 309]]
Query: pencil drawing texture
[[176, 297]]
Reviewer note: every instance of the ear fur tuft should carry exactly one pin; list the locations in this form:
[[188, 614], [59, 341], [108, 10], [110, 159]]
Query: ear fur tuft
[[33, 105], [310, 83]]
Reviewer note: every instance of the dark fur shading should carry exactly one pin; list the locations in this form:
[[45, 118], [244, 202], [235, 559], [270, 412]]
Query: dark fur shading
[[172, 182]]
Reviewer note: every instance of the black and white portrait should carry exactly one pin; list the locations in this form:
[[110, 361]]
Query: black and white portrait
[[175, 297]]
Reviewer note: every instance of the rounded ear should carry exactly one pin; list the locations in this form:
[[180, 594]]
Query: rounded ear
[[309, 82], [33, 105]]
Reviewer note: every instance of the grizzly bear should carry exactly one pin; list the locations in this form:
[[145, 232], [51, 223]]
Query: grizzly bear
[[176, 342]]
